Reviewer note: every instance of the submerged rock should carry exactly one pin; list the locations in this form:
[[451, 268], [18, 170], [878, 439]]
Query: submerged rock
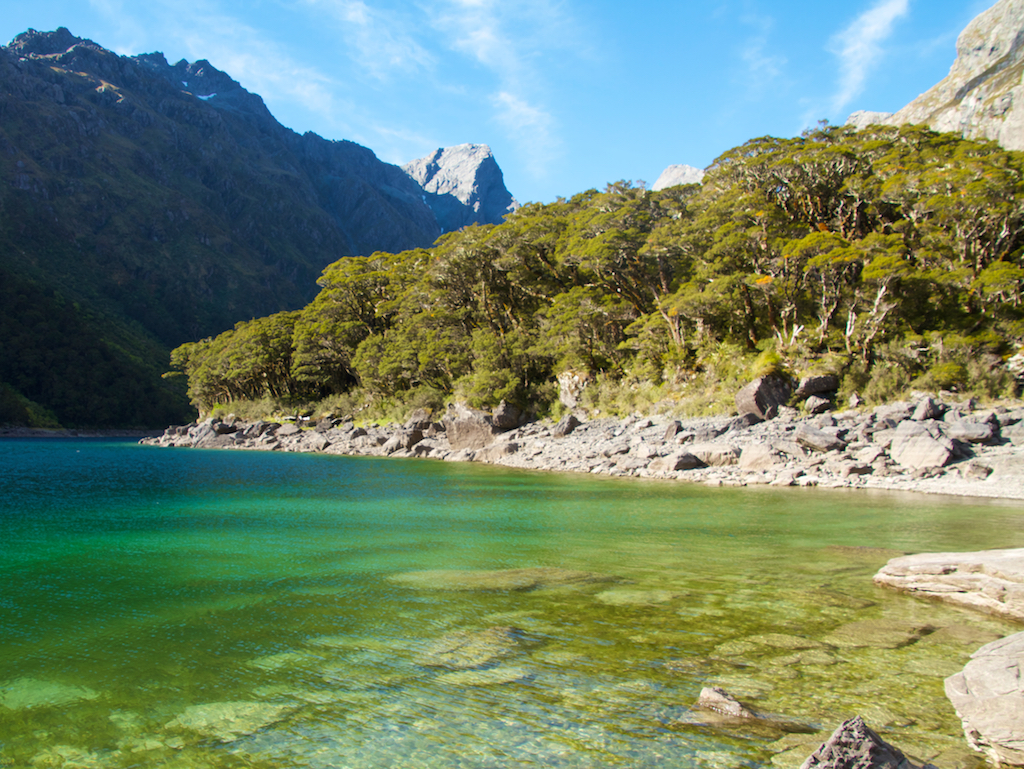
[[989, 699], [878, 634], [465, 650], [637, 597], [227, 721], [493, 677], [25, 693], [504, 579]]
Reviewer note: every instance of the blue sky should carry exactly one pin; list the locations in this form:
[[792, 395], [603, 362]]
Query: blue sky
[[569, 94]]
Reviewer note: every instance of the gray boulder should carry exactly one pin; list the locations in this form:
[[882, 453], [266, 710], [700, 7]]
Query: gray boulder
[[991, 581], [817, 404], [715, 454], [420, 419], [402, 440], [681, 460], [928, 408], [989, 699], [759, 456], [506, 416], [565, 425], [973, 432], [816, 385], [817, 440], [468, 428], [764, 396], [919, 445], [855, 746]]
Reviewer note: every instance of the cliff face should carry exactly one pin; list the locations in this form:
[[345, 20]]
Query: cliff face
[[463, 185], [982, 97]]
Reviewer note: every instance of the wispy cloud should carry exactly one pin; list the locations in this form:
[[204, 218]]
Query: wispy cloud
[[762, 66], [532, 128], [859, 48], [381, 42], [508, 40]]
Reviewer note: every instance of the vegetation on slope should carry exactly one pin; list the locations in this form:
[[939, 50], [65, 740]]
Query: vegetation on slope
[[891, 256]]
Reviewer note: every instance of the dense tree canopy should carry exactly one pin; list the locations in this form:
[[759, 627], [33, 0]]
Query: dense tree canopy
[[837, 242]]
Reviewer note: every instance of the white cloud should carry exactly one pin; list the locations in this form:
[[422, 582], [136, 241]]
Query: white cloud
[[508, 40], [762, 67], [531, 129], [859, 48], [382, 42]]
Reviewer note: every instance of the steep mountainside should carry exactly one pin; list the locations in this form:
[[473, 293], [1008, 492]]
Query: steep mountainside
[[983, 95], [164, 203], [462, 185]]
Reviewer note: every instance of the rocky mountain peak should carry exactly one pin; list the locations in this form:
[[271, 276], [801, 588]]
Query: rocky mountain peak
[[676, 175], [463, 185], [982, 97], [34, 43]]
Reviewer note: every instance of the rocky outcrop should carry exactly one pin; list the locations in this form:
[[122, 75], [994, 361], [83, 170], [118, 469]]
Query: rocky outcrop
[[463, 185], [991, 581], [676, 175], [856, 746], [989, 699], [982, 97]]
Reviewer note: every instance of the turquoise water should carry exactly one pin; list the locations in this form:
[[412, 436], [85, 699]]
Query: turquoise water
[[239, 609]]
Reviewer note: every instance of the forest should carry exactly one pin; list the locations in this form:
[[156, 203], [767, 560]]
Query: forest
[[891, 256]]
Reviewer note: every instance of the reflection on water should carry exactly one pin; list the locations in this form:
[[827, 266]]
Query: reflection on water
[[226, 609]]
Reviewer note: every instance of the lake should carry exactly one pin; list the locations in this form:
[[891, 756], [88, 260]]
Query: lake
[[185, 608]]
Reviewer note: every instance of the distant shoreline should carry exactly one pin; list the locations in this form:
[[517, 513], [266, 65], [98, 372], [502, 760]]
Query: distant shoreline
[[85, 432], [896, 447]]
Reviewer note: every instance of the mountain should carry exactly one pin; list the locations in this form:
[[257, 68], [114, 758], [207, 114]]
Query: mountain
[[462, 185], [156, 204], [676, 175], [982, 97]]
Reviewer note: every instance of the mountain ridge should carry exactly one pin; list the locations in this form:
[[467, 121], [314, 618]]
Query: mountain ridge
[[165, 203]]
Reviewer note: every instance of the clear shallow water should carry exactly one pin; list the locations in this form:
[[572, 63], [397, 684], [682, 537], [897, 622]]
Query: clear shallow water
[[138, 583]]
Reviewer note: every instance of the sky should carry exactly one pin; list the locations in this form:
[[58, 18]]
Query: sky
[[569, 94]]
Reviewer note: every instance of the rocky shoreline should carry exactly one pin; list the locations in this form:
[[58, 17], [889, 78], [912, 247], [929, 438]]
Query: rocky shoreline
[[926, 445]]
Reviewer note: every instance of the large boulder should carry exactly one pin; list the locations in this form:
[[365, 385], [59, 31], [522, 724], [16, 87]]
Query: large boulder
[[991, 581], [918, 445], [855, 746], [989, 698], [764, 396], [468, 428], [816, 385], [817, 440]]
